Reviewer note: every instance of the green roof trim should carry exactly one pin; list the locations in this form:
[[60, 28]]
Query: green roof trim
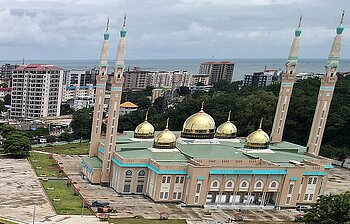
[[314, 173], [101, 150], [249, 172], [200, 178], [293, 178], [328, 166], [149, 166]]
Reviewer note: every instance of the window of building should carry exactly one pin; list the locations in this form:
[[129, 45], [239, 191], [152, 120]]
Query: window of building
[[298, 197], [198, 188], [215, 184], [139, 188], [229, 184], [315, 180], [258, 184], [182, 180], [196, 199], [163, 179], [310, 180], [311, 196], [306, 196], [290, 189], [128, 173], [273, 184], [127, 188], [142, 173], [288, 201], [168, 179], [244, 184]]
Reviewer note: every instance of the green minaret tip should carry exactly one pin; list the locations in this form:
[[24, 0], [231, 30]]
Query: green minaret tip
[[123, 31], [297, 32], [106, 34], [340, 28]]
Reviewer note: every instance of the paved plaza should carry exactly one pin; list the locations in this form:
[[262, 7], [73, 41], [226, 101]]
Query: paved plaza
[[21, 191], [338, 181]]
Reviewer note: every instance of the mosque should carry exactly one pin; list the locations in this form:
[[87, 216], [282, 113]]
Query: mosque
[[206, 165]]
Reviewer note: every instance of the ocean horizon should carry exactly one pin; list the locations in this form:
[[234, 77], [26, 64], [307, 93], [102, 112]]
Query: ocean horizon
[[242, 65]]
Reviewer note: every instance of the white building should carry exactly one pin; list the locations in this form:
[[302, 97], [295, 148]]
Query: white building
[[76, 91], [36, 91]]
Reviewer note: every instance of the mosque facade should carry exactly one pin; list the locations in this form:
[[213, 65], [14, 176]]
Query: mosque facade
[[206, 165]]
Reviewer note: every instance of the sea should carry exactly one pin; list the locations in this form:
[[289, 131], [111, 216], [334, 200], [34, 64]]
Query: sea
[[243, 66]]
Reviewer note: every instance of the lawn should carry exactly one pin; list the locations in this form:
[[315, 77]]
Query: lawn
[[44, 166], [147, 221], [67, 149], [6, 222], [69, 203]]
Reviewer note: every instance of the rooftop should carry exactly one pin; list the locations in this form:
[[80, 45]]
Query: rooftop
[[38, 67], [218, 62], [128, 104], [92, 162], [280, 153]]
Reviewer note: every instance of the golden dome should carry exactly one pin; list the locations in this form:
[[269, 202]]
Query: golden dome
[[165, 140], [226, 130], [199, 126], [258, 139], [144, 130]]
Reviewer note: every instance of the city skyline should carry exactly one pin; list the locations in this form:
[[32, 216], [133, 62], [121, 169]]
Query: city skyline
[[71, 30]]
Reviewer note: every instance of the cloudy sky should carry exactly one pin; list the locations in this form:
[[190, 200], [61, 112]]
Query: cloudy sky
[[73, 29]]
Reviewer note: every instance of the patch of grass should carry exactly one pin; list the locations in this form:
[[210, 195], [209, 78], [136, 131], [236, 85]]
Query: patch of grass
[[67, 149], [43, 165], [6, 222], [69, 203], [147, 221]]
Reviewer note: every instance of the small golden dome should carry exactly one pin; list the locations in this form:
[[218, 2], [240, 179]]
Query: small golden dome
[[226, 130], [144, 130], [165, 140], [199, 126], [257, 139]]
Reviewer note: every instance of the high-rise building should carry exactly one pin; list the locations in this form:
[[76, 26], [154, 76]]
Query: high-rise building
[[325, 95], [6, 74], [36, 91], [79, 77], [218, 70], [286, 89]]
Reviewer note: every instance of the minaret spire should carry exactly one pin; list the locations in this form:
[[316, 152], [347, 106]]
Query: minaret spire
[[325, 95], [167, 124], [114, 106], [286, 89], [202, 107], [146, 115], [101, 80], [261, 122], [229, 116]]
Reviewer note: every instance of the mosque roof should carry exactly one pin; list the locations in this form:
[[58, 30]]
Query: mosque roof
[[128, 104], [93, 162], [280, 153]]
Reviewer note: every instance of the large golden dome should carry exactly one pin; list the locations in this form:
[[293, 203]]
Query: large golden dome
[[199, 126], [165, 140], [144, 130], [226, 130], [257, 139]]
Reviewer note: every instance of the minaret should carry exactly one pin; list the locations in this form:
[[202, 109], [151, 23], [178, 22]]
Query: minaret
[[325, 94], [101, 80], [286, 89], [113, 111]]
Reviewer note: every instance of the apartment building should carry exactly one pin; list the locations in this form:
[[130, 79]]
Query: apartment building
[[217, 71], [36, 91]]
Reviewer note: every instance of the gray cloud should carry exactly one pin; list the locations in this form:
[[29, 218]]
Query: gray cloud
[[73, 29]]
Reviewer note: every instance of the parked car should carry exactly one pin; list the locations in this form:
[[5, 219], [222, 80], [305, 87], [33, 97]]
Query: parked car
[[100, 204], [303, 208]]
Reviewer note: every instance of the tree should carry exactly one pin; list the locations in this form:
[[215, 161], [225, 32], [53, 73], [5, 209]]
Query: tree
[[65, 136], [66, 109], [81, 123], [17, 144], [7, 99], [330, 209], [184, 91], [160, 104]]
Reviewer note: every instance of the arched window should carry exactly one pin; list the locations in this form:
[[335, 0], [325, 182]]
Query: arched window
[[244, 184], [259, 184], [229, 184], [142, 173], [273, 184], [128, 173], [215, 184]]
